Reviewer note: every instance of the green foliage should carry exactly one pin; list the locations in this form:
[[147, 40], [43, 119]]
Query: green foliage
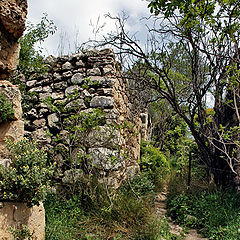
[[154, 166], [171, 135], [30, 59], [142, 184], [152, 158], [216, 214], [20, 232], [27, 178], [6, 109], [101, 213]]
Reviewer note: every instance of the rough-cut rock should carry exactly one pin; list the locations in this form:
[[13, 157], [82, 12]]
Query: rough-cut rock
[[67, 66], [104, 136], [13, 95], [41, 136], [71, 90], [12, 17], [15, 214], [77, 78], [105, 158], [53, 120], [101, 101], [13, 130], [12, 25]]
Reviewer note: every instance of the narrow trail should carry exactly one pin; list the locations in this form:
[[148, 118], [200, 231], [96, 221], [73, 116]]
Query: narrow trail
[[160, 206]]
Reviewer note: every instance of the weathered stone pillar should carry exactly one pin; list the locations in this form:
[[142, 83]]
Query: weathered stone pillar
[[14, 128], [12, 25]]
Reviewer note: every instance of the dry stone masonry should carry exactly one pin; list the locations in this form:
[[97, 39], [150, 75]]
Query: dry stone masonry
[[106, 90]]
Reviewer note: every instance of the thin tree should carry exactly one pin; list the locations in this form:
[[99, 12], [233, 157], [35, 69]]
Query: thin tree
[[192, 52]]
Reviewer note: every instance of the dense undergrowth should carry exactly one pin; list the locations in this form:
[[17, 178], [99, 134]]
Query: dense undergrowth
[[96, 211], [215, 213], [126, 213]]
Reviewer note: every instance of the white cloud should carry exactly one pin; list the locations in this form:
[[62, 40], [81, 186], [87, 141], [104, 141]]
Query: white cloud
[[74, 16]]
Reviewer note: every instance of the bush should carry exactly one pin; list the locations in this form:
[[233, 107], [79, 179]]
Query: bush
[[154, 162], [27, 178], [216, 213], [31, 60], [101, 213], [142, 184]]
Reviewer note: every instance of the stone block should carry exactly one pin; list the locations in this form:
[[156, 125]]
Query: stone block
[[15, 214], [53, 121], [105, 159], [41, 136], [67, 74], [14, 131], [71, 90], [77, 78], [31, 83], [103, 81], [60, 85], [102, 102], [39, 123], [12, 93], [104, 136], [66, 66], [94, 72], [57, 95]]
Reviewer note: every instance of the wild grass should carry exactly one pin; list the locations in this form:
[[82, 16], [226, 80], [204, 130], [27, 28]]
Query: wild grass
[[215, 213], [125, 214]]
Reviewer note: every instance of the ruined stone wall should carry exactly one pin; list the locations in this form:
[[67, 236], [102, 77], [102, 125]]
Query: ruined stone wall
[[107, 90]]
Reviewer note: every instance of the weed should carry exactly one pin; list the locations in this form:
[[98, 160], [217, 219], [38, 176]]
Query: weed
[[215, 214]]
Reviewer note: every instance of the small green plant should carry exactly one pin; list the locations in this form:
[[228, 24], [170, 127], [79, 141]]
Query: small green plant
[[142, 184], [27, 178], [6, 109], [102, 213], [20, 232], [30, 59], [155, 164], [215, 214]]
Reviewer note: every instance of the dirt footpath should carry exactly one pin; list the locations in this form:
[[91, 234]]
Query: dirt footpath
[[161, 210]]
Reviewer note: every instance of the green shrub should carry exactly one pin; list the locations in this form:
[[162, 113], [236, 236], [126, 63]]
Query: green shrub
[[27, 178], [20, 232], [216, 213], [6, 109], [31, 60], [155, 164], [142, 184], [103, 213]]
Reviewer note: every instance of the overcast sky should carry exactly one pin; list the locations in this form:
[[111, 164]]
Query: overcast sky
[[74, 18]]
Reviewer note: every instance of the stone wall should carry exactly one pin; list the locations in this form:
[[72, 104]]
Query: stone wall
[[107, 91]]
